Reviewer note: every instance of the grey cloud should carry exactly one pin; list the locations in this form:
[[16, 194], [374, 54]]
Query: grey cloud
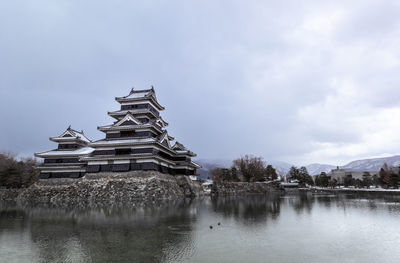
[[233, 76]]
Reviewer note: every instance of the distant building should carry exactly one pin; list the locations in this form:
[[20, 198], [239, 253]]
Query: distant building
[[340, 174], [137, 140]]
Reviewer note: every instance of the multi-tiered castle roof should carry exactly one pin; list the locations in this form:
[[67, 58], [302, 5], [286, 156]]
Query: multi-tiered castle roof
[[136, 140]]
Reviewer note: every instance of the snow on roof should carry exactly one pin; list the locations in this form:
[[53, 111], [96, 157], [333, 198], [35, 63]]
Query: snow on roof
[[101, 142], [134, 94], [125, 126], [135, 111], [81, 136], [138, 94], [74, 135], [179, 147], [81, 151], [164, 136], [196, 165], [128, 117], [190, 153]]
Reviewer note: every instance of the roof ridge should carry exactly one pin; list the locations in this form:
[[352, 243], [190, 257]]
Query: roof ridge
[[75, 133], [140, 91]]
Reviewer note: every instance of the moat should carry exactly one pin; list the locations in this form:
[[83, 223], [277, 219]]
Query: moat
[[272, 228]]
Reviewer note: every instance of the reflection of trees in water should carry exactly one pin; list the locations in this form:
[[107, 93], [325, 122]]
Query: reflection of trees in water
[[302, 202], [13, 219], [372, 201], [250, 209], [134, 233]]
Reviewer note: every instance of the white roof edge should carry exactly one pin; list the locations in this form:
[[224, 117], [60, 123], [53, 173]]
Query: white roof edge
[[77, 152]]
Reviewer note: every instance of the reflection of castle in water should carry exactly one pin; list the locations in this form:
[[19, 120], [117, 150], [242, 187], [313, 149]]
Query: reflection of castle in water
[[105, 234]]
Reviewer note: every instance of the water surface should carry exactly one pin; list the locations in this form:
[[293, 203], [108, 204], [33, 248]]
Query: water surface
[[291, 228]]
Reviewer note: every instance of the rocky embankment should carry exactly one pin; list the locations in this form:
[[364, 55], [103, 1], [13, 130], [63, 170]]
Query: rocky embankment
[[127, 186], [243, 188]]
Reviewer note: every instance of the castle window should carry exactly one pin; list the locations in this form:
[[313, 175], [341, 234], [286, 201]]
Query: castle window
[[123, 151]]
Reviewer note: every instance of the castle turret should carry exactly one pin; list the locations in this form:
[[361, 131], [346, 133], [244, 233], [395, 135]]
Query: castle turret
[[65, 160]]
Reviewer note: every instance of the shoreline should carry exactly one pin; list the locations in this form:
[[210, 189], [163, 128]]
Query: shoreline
[[355, 190], [137, 186]]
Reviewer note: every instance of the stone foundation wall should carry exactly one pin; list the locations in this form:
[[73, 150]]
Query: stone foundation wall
[[243, 188], [128, 186]]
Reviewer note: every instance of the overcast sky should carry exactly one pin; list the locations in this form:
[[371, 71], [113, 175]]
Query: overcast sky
[[315, 81]]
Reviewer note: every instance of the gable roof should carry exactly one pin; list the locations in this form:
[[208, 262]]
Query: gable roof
[[179, 146], [127, 117], [164, 138], [141, 93], [71, 134]]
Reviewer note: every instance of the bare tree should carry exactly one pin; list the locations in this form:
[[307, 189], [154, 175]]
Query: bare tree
[[252, 168], [17, 174]]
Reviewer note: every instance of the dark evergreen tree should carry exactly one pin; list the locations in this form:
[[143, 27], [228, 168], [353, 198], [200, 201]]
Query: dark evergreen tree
[[310, 180], [348, 181], [293, 173], [375, 180], [271, 172], [234, 174], [394, 180], [384, 177], [358, 183], [323, 180], [304, 177], [317, 180], [332, 183], [367, 180]]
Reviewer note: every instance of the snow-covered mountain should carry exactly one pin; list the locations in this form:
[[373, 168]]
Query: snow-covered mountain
[[374, 164], [317, 168]]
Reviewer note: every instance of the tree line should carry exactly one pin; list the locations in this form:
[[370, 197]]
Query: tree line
[[385, 179], [253, 169], [17, 173]]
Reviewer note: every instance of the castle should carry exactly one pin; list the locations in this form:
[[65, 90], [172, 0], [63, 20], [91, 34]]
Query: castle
[[136, 140]]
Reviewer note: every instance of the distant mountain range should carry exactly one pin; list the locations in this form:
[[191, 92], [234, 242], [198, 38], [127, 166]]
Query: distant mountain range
[[373, 164]]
